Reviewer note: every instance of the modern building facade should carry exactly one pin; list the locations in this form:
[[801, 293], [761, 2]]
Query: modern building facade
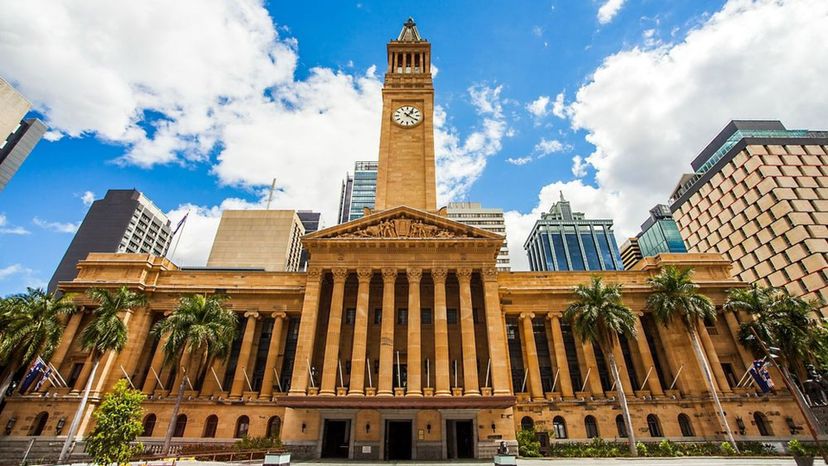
[[402, 340], [258, 239], [563, 240], [759, 196], [310, 221], [124, 221], [358, 192], [18, 136], [489, 219], [659, 234]]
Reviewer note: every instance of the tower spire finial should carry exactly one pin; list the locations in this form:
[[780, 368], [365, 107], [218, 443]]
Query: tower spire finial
[[409, 32], [562, 196]]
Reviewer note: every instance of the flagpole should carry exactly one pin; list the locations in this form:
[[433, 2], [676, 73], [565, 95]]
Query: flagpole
[[180, 231]]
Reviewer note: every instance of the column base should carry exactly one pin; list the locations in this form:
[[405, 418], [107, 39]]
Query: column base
[[443, 392], [326, 392], [473, 392], [414, 394], [385, 393], [354, 392]]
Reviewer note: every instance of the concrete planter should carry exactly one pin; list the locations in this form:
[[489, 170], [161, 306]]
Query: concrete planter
[[505, 460], [277, 459]]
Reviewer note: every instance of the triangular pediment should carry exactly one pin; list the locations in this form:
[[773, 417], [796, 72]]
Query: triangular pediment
[[403, 223]]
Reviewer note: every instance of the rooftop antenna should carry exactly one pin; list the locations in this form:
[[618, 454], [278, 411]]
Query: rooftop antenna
[[270, 196]]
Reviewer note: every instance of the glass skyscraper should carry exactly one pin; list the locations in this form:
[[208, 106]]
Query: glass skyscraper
[[358, 192], [660, 233], [563, 240]]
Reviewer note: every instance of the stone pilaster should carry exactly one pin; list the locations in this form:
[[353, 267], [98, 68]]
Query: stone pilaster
[[358, 352], [330, 365], [414, 332], [495, 331], [272, 353], [442, 372], [386, 369], [239, 382], [713, 359], [564, 380], [307, 333], [530, 352], [470, 381]]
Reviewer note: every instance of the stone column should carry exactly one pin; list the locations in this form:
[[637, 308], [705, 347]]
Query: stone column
[[108, 362], [157, 362], [80, 384], [495, 331], [470, 383], [733, 327], [330, 365], [564, 380], [713, 359], [138, 339], [415, 365], [385, 385], [307, 333], [623, 372], [357, 385], [272, 353], [442, 372], [594, 384], [66, 339], [653, 383], [181, 370], [239, 382], [530, 351], [675, 364]]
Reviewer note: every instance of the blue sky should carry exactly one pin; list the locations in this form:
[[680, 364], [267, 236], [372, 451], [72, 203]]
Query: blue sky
[[201, 104]]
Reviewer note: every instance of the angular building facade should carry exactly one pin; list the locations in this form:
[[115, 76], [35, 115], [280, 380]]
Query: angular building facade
[[402, 340], [124, 221], [358, 192], [489, 219], [659, 234], [563, 240], [18, 136], [269, 240], [759, 196]]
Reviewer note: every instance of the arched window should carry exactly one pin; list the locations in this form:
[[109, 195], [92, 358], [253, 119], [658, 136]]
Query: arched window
[[210, 426], [180, 425], [242, 425], [559, 427], [39, 424], [591, 426], [527, 423], [654, 426], [274, 427], [622, 428], [762, 424], [685, 425], [149, 425]]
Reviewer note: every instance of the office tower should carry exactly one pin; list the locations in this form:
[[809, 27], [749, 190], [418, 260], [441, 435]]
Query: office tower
[[489, 219], [630, 253], [125, 220], [18, 136], [258, 239], [565, 240], [358, 191], [758, 195], [659, 234], [310, 221]]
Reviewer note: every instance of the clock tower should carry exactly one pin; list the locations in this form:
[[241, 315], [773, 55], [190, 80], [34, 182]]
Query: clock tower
[[406, 153]]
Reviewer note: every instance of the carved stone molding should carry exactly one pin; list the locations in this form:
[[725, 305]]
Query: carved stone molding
[[389, 274], [251, 314], [414, 274], [489, 274], [464, 274], [314, 274], [339, 274], [402, 227], [527, 315], [439, 274], [364, 274], [279, 315], [553, 315]]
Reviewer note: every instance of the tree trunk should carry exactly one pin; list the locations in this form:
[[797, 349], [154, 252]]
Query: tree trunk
[[622, 398], [708, 378], [7, 380], [73, 428], [174, 418]]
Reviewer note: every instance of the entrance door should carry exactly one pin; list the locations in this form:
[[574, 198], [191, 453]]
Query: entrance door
[[335, 439], [459, 439], [398, 440]]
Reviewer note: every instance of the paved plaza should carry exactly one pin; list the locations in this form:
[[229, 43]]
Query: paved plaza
[[708, 461]]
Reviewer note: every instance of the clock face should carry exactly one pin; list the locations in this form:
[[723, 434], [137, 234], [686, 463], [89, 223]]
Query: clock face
[[407, 115]]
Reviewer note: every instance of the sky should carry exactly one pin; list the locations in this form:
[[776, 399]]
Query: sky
[[201, 103]]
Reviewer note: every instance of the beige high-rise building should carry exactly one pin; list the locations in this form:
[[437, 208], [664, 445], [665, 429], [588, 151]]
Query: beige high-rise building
[[759, 196], [260, 239], [485, 218], [17, 136]]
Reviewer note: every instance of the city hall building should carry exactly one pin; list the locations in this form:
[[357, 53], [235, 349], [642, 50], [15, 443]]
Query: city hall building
[[402, 340]]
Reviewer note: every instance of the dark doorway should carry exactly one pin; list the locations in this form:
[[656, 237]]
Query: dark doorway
[[335, 439], [398, 440], [459, 439]]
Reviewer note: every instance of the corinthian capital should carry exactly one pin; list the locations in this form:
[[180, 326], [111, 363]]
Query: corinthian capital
[[339, 274], [414, 274]]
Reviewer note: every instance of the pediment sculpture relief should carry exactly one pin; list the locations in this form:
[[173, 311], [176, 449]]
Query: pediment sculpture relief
[[402, 228]]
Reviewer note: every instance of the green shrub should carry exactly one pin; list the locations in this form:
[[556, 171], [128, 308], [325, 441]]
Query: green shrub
[[642, 449], [117, 424], [727, 449], [795, 448], [528, 444], [262, 443]]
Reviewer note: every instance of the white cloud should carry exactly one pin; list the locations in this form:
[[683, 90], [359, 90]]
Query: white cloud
[[608, 10], [87, 198], [538, 107], [558, 107], [520, 160], [537, 31], [6, 229], [57, 227], [548, 146], [13, 269], [434, 71], [579, 168], [17, 277]]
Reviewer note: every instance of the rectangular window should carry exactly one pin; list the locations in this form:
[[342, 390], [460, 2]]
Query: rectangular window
[[603, 245], [574, 249], [451, 316], [350, 316], [377, 316], [402, 316], [560, 252], [590, 249], [425, 316]]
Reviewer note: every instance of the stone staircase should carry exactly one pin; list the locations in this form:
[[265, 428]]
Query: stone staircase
[[40, 451]]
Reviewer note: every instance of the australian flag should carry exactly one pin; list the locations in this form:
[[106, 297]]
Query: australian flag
[[761, 375], [37, 370]]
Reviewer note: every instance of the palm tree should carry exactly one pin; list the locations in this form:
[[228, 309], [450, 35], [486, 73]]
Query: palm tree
[[105, 332], [597, 315], [676, 297], [32, 324], [200, 330]]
